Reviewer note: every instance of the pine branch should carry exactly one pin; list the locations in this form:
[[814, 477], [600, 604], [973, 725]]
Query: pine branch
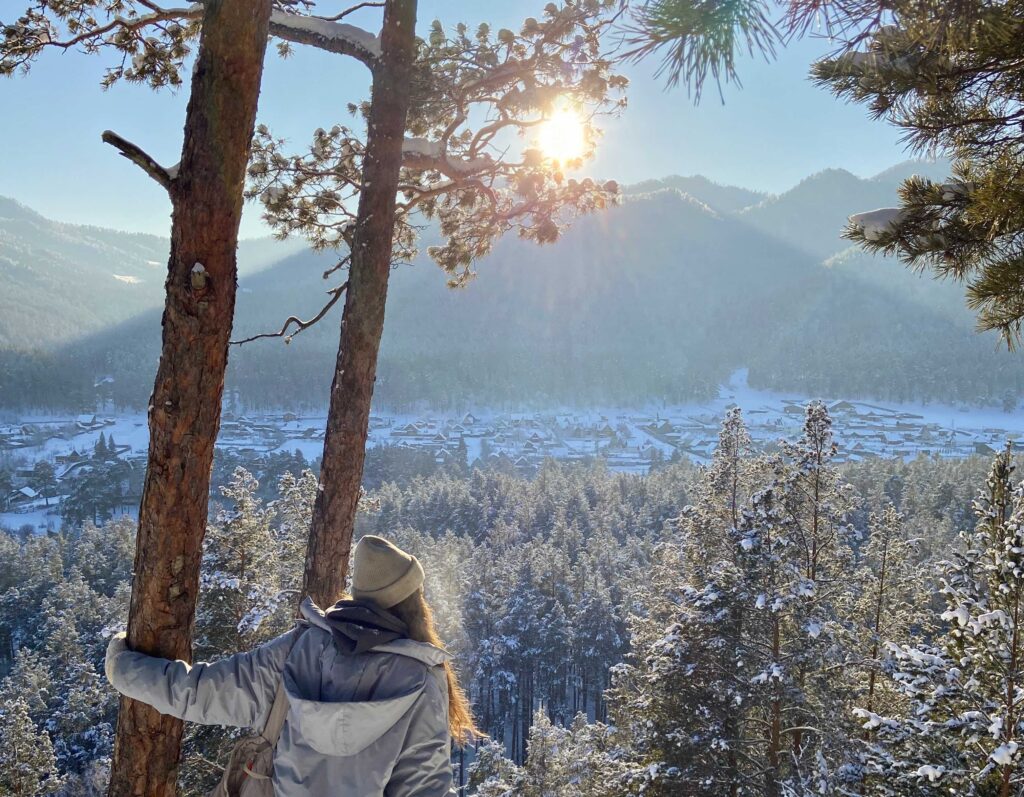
[[700, 40]]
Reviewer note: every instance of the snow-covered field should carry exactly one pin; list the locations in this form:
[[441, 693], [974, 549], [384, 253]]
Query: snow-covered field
[[628, 438]]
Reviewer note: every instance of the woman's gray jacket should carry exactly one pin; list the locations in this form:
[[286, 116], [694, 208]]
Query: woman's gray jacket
[[369, 724]]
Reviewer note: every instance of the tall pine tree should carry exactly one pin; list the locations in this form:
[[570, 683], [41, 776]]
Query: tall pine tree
[[962, 731]]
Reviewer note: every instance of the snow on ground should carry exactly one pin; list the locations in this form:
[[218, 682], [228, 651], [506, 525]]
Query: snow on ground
[[628, 438], [765, 412], [39, 519]]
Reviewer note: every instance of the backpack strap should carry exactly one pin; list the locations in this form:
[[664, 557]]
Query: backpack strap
[[272, 730], [279, 711]]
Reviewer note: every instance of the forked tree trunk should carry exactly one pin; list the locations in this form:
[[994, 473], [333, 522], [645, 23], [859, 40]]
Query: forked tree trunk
[[330, 536], [184, 413]]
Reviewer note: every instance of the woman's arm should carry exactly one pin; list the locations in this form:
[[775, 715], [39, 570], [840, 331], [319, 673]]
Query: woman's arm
[[238, 690]]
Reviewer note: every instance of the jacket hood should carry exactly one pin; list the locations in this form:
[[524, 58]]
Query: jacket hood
[[345, 728], [382, 689], [330, 621], [358, 626]]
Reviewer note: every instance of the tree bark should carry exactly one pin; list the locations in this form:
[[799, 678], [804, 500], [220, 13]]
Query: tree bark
[[334, 512], [184, 412]]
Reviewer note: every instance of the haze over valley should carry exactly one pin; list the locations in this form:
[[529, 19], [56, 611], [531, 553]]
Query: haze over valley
[[658, 300]]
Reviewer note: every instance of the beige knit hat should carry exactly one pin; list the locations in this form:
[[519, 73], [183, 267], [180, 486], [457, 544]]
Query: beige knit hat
[[383, 572]]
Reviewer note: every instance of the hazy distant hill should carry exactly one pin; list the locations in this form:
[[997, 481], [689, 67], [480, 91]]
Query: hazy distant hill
[[658, 299], [723, 198], [810, 215], [61, 281]]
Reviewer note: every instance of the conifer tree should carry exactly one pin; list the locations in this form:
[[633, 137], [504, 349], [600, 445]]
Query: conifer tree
[[440, 117], [724, 490], [893, 604], [817, 536], [486, 592], [27, 764], [598, 642], [734, 684], [962, 730], [205, 189], [30, 678], [674, 695], [80, 717], [239, 562], [293, 509], [534, 629], [44, 479], [679, 697], [491, 774]]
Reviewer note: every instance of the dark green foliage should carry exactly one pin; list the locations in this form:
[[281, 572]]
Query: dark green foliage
[[100, 490], [698, 40], [959, 730], [950, 76]]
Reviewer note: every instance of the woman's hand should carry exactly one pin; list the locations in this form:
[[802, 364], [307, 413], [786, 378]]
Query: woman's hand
[[118, 645]]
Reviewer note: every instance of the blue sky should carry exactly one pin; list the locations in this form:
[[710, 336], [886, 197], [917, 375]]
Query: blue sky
[[768, 135]]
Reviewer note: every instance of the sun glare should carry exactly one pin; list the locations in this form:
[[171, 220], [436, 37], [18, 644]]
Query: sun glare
[[561, 137]]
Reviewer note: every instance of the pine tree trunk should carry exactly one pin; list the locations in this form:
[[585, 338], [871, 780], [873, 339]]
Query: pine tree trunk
[[732, 721], [774, 770], [184, 413], [362, 323]]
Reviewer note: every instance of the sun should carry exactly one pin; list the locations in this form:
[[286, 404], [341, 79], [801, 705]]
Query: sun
[[561, 137]]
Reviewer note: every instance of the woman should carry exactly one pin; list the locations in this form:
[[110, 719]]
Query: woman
[[373, 701]]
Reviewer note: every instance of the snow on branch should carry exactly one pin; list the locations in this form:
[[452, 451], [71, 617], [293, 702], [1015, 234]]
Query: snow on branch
[[142, 159], [875, 61], [161, 14], [324, 34], [875, 224], [422, 153], [421, 146]]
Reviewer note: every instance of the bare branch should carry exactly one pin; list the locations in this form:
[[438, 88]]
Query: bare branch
[[140, 158], [336, 267], [356, 7], [335, 294]]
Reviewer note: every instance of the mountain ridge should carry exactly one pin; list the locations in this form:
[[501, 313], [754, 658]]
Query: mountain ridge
[[661, 297]]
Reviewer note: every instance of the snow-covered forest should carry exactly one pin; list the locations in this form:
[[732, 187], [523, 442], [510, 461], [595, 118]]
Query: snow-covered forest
[[764, 618], [709, 484]]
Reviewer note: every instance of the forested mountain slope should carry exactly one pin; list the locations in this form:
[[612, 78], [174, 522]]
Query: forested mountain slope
[[61, 281], [657, 299]]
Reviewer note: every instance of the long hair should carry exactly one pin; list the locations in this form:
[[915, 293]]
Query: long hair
[[415, 612]]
